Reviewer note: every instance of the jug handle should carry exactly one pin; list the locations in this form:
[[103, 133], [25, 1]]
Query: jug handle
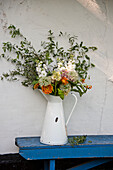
[[74, 95]]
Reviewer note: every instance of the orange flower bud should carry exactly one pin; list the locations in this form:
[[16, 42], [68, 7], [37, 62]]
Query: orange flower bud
[[36, 86], [82, 80], [88, 87]]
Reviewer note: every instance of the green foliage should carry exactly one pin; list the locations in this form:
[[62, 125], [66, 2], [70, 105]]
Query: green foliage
[[14, 32], [79, 88], [61, 94], [26, 56], [24, 60], [77, 140]]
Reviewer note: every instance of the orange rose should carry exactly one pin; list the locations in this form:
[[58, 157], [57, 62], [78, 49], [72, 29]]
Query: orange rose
[[36, 86], [47, 89], [64, 80]]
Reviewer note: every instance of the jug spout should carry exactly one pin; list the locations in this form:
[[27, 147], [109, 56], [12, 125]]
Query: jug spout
[[51, 98], [45, 95]]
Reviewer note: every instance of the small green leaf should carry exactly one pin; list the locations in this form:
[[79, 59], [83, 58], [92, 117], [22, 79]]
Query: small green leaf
[[2, 78], [81, 44], [93, 48], [86, 56], [89, 141], [60, 34], [92, 65], [5, 75], [34, 82]]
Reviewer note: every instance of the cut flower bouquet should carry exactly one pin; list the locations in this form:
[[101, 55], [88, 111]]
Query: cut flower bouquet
[[61, 79], [52, 69]]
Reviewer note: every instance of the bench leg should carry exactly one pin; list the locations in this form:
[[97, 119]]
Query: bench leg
[[49, 164], [46, 164], [52, 165]]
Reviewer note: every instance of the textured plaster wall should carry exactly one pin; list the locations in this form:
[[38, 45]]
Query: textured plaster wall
[[22, 109]]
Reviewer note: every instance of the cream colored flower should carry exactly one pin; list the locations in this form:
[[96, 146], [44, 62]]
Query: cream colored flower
[[70, 65], [73, 76], [45, 81], [60, 66], [65, 88], [56, 76]]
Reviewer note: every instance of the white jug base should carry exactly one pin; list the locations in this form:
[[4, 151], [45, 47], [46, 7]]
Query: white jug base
[[53, 143]]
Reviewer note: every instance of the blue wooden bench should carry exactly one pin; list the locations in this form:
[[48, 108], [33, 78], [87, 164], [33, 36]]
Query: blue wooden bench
[[98, 146]]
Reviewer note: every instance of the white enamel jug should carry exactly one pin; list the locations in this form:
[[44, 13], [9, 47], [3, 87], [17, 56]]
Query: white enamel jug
[[54, 127]]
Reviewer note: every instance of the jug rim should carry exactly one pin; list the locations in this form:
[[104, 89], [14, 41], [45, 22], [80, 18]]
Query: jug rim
[[51, 98]]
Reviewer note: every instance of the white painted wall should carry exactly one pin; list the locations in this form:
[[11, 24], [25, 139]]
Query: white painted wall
[[22, 109]]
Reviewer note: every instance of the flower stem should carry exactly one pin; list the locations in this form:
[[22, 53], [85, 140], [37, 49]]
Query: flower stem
[[55, 87]]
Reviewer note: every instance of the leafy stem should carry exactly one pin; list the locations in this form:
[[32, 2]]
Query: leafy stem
[[56, 88]]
